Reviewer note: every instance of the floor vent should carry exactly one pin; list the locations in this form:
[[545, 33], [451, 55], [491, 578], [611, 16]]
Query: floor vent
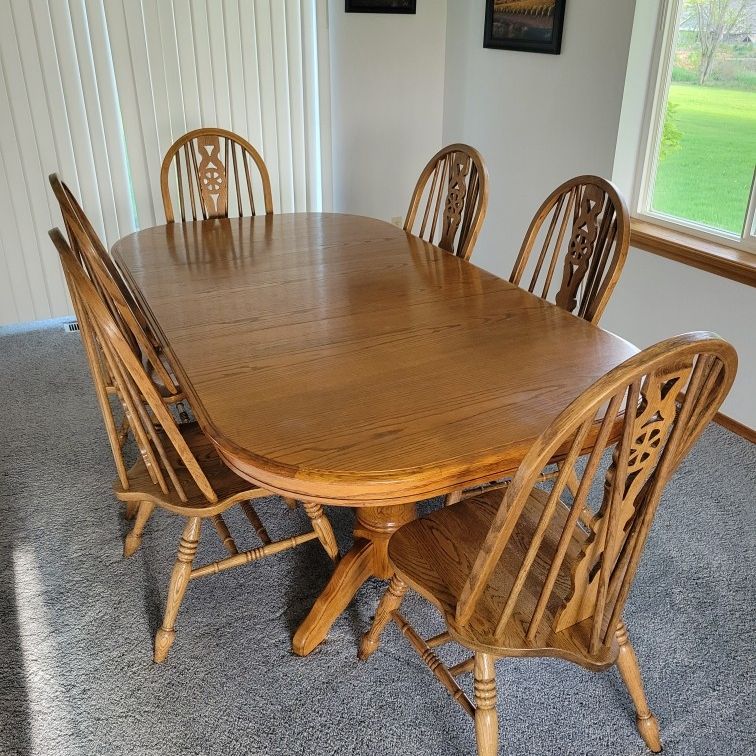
[[71, 327]]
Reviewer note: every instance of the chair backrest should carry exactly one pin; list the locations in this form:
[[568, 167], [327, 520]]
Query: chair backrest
[[450, 200], [635, 409], [212, 173], [141, 400], [109, 284], [585, 221], [74, 216], [100, 374], [70, 207]]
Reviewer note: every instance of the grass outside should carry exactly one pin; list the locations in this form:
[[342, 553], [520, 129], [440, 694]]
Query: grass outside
[[707, 177]]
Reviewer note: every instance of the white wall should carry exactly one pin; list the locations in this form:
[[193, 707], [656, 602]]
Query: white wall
[[387, 89], [537, 119], [655, 297]]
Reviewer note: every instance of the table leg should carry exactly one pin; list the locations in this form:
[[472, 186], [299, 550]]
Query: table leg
[[367, 557]]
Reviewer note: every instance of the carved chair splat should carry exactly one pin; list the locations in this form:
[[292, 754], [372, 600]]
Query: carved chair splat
[[585, 224], [523, 574]]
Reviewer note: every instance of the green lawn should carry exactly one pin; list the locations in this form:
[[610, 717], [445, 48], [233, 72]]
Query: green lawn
[[708, 176]]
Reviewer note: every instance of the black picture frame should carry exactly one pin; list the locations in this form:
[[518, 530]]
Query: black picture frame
[[381, 6], [529, 37]]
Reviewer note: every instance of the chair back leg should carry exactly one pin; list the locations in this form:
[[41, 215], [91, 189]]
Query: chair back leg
[[322, 526], [133, 538], [627, 663], [390, 602], [180, 577]]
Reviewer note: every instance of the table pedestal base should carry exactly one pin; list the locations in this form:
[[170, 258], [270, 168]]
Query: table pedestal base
[[367, 558]]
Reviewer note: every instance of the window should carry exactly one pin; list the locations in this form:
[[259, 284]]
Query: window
[[700, 164]]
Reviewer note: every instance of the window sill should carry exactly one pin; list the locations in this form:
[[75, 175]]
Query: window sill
[[719, 259]]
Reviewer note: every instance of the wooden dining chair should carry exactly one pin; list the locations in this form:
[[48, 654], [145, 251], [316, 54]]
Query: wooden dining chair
[[82, 240], [450, 200], [585, 224], [178, 468], [214, 169], [582, 231], [78, 227], [93, 256], [540, 572]]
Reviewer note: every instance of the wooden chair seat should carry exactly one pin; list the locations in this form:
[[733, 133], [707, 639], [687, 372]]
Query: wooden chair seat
[[458, 533], [228, 486]]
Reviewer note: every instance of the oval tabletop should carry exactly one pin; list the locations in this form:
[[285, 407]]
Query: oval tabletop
[[340, 359]]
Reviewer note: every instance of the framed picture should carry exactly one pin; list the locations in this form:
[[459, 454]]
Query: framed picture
[[530, 25], [381, 6]]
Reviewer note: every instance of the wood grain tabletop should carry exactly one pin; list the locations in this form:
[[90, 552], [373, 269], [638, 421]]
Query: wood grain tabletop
[[341, 359]]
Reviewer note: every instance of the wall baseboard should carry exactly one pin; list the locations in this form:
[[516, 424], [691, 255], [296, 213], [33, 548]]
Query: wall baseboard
[[734, 426], [749, 434]]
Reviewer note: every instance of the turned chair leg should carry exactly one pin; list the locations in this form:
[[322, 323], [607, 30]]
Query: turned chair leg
[[389, 603], [290, 503], [224, 534], [322, 526], [627, 663], [132, 507], [486, 718], [254, 520], [134, 537], [182, 571]]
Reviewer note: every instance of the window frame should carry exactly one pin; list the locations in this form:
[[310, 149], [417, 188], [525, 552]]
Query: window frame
[[657, 97]]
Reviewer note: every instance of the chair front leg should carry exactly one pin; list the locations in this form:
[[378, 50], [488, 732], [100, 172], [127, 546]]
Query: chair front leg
[[180, 576], [627, 663], [322, 526], [486, 719], [389, 603]]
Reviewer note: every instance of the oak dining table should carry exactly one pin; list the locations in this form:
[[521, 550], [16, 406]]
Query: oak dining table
[[338, 359]]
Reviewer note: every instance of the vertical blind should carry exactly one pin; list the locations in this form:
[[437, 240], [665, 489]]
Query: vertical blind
[[97, 90]]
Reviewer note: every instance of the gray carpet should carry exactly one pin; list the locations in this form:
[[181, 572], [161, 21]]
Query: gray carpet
[[77, 620]]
